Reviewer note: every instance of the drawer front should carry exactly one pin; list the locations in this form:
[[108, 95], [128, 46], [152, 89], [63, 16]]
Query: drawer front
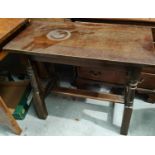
[[147, 81], [149, 70], [116, 76], [107, 74]]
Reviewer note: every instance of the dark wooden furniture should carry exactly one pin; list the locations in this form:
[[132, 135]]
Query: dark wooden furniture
[[90, 45], [88, 76]]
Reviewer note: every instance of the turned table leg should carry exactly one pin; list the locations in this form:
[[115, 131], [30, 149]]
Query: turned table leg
[[38, 98], [134, 74]]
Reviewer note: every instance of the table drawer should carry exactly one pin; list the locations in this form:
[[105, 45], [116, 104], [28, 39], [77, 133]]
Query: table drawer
[[147, 81], [107, 74], [149, 70], [116, 76]]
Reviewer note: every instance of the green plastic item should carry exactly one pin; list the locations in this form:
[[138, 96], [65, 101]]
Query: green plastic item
[[24, 104]]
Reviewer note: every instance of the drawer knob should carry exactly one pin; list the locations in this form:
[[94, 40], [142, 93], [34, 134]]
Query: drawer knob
[[95, 73]]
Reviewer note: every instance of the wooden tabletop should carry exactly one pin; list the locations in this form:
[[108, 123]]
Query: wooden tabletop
[[93, 41], [8, 26]]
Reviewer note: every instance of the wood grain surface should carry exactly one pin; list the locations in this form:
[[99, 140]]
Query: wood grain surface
[[8, 26], [93, 41]]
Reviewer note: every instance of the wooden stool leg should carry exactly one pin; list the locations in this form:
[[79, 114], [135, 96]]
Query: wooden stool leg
[[7, 119], [134, 75], [37, 92], [15, 127]]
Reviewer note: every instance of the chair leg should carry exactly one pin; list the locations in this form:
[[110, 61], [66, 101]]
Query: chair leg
[[134, 74]]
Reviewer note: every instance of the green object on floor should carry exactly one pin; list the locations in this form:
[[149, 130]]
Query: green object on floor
[[24, 104]]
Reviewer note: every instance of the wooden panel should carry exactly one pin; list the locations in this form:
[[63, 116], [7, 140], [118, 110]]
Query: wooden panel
[[95, 41], [10, 95], [11, 92], [89, 94]]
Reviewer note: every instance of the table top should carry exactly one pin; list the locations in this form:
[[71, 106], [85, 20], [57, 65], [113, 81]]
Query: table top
[[8, 26], [93, 41]]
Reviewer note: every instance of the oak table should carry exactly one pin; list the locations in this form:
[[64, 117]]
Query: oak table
[[87, 44]]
